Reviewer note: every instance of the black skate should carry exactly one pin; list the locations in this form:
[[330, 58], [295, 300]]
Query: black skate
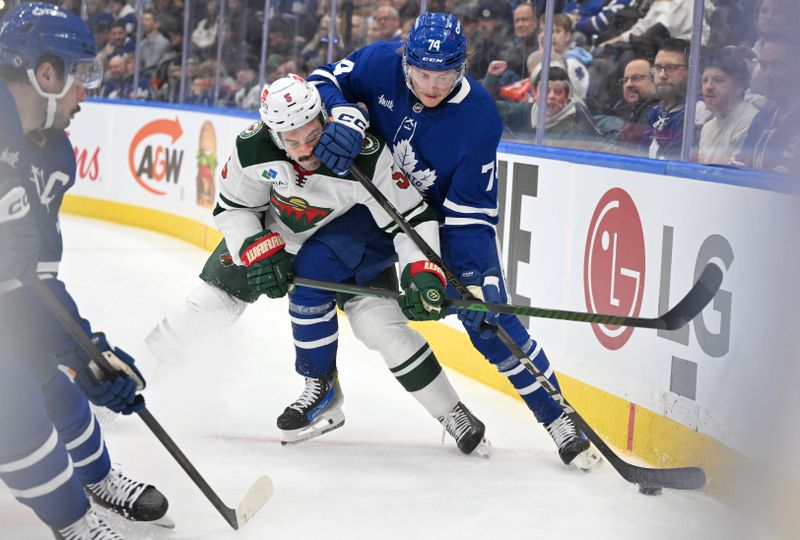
[[130, 499], [89, 527], [573, 447], [318, 410], [467, 430]]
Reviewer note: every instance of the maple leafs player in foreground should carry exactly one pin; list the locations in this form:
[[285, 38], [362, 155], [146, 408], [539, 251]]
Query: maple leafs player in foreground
[[444, 129], [281, 211], [53, 457]]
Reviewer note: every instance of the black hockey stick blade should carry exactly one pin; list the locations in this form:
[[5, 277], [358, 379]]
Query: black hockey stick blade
[[683, 478], [684, 311], [256, 497], [676, 478], [698, 297]]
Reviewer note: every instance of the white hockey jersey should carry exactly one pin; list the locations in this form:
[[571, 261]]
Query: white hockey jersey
[[261, 188]]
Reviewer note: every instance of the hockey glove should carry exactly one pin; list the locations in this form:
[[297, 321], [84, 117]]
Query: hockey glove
[[268, 264], [341, 141], [116, 392], [423, 286], [484, 287]]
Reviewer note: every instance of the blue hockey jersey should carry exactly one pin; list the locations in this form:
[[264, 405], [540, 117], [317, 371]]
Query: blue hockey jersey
[[448, 152], [35, 173]]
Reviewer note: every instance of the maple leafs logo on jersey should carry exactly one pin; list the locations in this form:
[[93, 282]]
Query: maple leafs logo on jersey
[[296, 213], [48, 189], [406, 161]]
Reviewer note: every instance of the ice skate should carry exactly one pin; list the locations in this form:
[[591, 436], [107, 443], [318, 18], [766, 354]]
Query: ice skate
[[317, 411], [467, 430], [573, 447], [89, 527], [130, 499]]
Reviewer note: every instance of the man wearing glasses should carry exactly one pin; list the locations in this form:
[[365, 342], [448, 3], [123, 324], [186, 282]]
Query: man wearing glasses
[[639, 98], [664, 133]]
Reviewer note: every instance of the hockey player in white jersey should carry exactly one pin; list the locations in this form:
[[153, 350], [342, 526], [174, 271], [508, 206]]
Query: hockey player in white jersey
[[53, 457], [281, 215], [444, 130]]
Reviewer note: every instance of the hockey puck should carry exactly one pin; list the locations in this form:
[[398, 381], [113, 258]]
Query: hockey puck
[[649, 490]]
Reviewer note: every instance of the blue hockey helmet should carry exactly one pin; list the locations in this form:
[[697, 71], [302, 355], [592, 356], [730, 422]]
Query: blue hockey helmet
[[436, 42], [29, 31]]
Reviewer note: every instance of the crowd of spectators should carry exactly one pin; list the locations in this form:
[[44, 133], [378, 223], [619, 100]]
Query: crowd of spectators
[[618, 76]]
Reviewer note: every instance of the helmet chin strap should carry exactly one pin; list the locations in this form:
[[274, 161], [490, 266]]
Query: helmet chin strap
[[52, 99]]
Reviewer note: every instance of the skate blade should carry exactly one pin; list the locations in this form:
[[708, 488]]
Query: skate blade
[[128, 525], [484, 449], [321, 426], [588, 460]]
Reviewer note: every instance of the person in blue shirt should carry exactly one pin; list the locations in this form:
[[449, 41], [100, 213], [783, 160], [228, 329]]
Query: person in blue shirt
[[52, 454], [663, 136], [443, 129]]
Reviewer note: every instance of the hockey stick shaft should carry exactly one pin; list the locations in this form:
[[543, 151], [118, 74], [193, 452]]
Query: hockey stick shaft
[[666, 321], [680, 478], [232, 516]]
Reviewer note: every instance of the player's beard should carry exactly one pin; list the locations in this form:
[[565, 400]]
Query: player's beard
[[309, 162]]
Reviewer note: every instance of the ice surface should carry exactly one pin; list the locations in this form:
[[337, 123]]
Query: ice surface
[[385, 474]]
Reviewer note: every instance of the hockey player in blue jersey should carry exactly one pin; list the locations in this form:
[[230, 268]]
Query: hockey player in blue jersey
[[53, 456], [444, 130], [281, 211]]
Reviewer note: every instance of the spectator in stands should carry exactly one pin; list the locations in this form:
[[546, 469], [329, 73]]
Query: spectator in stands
[[577, 59], [525, 41], [154, 45], [469, 21], [246, 92], [201, 90], [593, 17], [492, 40], [170, 18], [119, 84], [102, 31], [358, 33], [315, 53], [406, 9], [568, 124], [773, 17], [388, 24], [125, 14], [773, 140], [664, 133], [97, 11], [725, 80], [118, 42], [639, 98], [675, 16], [282, 38], [204, 35]]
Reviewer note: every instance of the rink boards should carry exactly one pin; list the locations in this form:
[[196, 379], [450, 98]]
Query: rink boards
[[579, 231]]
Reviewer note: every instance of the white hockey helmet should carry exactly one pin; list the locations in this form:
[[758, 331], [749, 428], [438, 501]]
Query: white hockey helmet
[[289, 103]]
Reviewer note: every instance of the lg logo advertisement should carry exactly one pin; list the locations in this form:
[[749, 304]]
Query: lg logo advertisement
[[614, 265], [153, 157]]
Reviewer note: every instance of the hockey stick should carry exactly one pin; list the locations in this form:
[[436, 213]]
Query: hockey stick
[[675, 478], [259, 493], [689, 306]]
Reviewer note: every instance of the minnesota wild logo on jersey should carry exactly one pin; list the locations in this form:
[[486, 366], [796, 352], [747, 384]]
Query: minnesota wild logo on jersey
[[296, 213]]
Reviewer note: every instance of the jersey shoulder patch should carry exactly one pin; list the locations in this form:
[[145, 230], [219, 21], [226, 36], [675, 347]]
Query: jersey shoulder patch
[[370, 152], [257, 146]]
